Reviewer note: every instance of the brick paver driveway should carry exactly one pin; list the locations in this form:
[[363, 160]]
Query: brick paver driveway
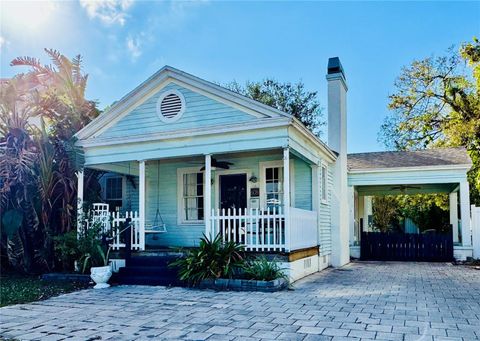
[[380, 301]]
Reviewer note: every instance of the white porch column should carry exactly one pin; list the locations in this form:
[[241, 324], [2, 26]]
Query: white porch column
[[208, 195], [453, 206], [141, 203], [351, 214], [80, 185], [286, 195], [465, 213], [367, 211]]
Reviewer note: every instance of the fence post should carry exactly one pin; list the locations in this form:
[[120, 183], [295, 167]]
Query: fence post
[[128, 240], [476, 231]]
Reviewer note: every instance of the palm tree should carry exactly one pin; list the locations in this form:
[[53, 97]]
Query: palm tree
[[40, 113]]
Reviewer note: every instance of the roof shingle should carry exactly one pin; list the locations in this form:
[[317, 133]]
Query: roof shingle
[[419, 158]]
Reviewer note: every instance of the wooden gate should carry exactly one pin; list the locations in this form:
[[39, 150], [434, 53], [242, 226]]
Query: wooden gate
[[406, 247]]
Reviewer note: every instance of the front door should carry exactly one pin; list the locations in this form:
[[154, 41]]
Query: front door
[[233, 191]]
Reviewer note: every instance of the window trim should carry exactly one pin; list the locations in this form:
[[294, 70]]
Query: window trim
[[124, 187], [324, 166], [263, 185], [180, 208]]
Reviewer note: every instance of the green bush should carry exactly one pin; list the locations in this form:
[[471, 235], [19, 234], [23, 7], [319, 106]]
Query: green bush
[[212, 259], [87, 248], [67, 250], [262, 269]]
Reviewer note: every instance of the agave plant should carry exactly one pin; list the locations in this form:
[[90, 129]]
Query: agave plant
[[263, 269], [212, 259]]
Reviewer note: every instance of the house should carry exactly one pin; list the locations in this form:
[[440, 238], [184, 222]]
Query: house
[[185, 157]]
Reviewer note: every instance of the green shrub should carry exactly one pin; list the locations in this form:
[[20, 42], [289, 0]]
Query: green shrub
[[212, 259], [67, 250], [86, 247], [262, 269]]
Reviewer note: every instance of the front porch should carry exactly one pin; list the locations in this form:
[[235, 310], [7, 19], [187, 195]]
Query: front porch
[[263, 200]]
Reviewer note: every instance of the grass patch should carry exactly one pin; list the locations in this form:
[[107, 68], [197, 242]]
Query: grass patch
[[17, 289]]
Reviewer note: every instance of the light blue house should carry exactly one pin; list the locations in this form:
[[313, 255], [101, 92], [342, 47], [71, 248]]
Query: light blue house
[[185, 157], [194, 158]]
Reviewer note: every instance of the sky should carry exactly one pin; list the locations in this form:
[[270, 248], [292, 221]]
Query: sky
[[124, 42]]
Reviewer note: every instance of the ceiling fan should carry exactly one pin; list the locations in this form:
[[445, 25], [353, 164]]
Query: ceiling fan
[[403, 188], [219, 164]]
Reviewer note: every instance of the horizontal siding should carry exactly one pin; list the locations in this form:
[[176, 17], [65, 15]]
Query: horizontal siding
[[131, 199], [200, 111], [303, 185], [129, 193], [325, 230]]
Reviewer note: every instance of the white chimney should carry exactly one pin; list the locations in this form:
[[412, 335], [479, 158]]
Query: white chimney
[[337, 141]]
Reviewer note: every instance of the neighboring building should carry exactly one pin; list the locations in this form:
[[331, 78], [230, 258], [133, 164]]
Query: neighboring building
[[194, 158]]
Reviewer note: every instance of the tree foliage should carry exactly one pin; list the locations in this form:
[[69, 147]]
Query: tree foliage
[[437, 103], [293, 99], [40, 111], [384, 212], [427, 211]]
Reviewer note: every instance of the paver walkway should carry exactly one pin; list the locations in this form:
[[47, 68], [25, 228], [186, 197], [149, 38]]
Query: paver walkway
[[367, 301]]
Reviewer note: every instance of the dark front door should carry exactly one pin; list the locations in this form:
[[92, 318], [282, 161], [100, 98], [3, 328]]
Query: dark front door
[[233, 191]]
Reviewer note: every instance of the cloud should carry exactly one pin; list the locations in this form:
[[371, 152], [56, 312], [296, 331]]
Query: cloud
[[3, 42], [107, 11], [134, 46]]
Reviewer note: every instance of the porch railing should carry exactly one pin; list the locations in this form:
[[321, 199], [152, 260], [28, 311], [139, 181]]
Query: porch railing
[[112, 222], [265, 230], [303, 227], [257, 230]]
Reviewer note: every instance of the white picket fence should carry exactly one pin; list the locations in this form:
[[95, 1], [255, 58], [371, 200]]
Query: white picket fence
[[113, 222], [265, 230], [137, 236], [257, 230]]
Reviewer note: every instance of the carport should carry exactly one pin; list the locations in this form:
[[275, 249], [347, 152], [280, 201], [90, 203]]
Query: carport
[[410, 172]]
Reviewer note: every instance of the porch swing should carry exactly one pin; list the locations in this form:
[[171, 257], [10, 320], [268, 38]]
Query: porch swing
[[158, 225]]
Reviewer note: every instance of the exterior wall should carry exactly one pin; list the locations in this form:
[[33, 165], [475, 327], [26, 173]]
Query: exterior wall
[[325, 228], [303, 185], [130, 190], [200, 111], [306, 266]]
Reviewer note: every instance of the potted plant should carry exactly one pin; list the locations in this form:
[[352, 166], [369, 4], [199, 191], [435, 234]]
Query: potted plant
[[101, 274], [94, 254]]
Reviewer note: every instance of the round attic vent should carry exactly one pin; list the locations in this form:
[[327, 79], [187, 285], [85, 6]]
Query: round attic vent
[[170, 106]]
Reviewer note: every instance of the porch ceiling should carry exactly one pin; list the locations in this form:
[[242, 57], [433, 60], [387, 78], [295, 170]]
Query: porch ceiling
[[406, 189]]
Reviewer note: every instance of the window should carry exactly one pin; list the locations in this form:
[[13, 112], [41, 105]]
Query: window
[[114, 192], [192, 197], [324, 183], [273, 186]]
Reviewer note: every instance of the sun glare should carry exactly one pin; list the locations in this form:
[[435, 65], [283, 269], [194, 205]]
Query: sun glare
[[31, 16]]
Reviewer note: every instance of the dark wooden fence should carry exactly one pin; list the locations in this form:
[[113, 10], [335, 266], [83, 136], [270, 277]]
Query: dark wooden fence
[[406, 247]]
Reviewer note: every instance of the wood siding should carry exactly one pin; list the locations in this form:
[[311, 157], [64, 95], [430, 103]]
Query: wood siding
[[303, 185], [325, 234], [200, 111]]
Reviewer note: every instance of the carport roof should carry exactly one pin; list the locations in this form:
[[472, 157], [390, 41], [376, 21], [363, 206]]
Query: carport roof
[[401, 159]]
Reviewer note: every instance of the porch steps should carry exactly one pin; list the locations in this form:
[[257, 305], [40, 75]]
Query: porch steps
[[149, 270]]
